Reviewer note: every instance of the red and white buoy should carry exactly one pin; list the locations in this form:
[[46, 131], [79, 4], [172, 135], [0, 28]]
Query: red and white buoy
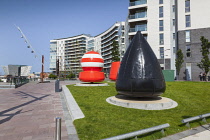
[[92, 64]]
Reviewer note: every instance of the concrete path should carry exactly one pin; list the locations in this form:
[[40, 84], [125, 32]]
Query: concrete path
[[29, 112], [198, 133]]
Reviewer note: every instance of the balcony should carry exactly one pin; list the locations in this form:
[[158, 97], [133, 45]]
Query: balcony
[[142, 28], [138, 15], [138, 2]]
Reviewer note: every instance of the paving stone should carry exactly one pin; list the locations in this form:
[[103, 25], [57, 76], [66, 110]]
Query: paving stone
[[29, 112]]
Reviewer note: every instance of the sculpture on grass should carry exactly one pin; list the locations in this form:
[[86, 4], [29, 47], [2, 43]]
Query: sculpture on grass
[[114, 70], [92, 64], [140, 74]]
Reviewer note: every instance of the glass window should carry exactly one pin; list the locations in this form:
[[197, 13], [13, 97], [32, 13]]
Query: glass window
[[161, 11], [145, 37], [123, 40], [161, 52], [188, 51], [160, 1], [187, 18], [187, 36], [161, 28], [174, 36], [173, 7], [141, 27], [174, 49], [187, 6], [173, 22], [161, 38]]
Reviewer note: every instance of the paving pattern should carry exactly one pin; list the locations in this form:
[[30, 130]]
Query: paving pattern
[[29, 112]]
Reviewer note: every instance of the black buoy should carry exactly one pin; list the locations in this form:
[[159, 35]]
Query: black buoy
[[140, 74]]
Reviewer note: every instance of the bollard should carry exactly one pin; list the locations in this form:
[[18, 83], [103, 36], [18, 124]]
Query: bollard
[[57, 85], [58, 128]]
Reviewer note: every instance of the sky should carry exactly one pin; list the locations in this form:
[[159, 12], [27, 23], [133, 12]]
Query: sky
[[45, 20]]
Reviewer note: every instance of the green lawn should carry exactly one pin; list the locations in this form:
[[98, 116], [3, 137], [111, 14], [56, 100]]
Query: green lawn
[[103, 120]]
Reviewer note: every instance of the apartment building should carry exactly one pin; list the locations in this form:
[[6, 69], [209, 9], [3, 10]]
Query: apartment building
[[155, 20], [115, 32], [193, 22], [70, 50]]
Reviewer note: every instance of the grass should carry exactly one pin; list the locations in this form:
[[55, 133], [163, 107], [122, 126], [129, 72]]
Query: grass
[[103, 120]]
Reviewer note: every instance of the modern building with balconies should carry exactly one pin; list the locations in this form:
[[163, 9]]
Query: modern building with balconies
[[115, 33], [68, 51], [169, 25], [154, 18]]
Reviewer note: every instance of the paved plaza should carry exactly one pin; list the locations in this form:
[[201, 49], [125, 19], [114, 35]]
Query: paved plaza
[[29, 112]]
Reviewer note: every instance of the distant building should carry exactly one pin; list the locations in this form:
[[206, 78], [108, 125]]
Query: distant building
[[17, 70], [70, 50]]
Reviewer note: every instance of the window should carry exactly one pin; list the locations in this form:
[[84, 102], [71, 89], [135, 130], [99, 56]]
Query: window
[[173, 7], [160, 1], [161, 25], [174, 36], [187, 6], [145, 37], [123, 40], [187, 36], [173, 22], [161, 11], [161, 52], [141, 27], [161, 38], [187, 19], [174, 49], [188, 51]]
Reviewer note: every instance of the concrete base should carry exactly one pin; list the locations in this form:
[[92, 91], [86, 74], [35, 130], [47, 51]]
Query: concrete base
[[91, 84], [156, 103]]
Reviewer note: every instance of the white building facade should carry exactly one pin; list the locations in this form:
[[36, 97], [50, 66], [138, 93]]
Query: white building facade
[[69, 51], [154, 18]]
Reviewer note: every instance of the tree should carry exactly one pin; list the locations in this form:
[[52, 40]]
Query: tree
[[178, 62], [205, 61], [115, 51], [52, 76]]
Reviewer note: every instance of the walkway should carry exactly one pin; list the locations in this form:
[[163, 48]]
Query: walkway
[[29, 112]]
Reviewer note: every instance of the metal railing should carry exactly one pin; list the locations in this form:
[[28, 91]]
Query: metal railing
[[139, 132], [18, 81], [188, 120], [138, 2]]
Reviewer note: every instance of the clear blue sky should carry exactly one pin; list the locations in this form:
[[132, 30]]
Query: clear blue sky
[[44, 20]]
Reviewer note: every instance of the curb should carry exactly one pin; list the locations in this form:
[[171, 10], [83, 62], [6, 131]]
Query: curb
[[74, 109]]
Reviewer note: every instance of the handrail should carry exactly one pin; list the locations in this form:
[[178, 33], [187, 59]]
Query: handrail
[[203, 117], [139, 132]]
